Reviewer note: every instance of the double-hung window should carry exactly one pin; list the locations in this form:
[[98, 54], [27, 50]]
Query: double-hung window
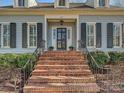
[[90, 35], [5, 36], [117, 35], [32, 35]]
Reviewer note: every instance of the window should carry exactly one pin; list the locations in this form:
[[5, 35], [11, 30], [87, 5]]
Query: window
[[20, 2], [90, 35], [101, 3], [32, 35], [116, 35], [5, 36], [61, 2]]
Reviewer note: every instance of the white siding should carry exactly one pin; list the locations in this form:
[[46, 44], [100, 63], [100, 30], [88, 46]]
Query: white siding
[[104, 20], [19, 20]]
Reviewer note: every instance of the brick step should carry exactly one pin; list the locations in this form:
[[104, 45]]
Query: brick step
[[62, 67], [60, 79], [60, 87], [62, 52], [61, 58], [61, 72], [61, 62], [67, 54]]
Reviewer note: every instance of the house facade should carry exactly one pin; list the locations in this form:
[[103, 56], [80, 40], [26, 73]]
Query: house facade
[[61, 24]]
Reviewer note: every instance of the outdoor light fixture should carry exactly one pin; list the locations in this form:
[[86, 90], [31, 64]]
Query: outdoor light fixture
[[61, 22]]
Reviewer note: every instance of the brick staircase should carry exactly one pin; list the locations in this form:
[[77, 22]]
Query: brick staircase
[[61, 72]]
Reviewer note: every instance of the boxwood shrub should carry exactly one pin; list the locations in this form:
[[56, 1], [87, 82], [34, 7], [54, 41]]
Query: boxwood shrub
[[14, 60], [100, 57]]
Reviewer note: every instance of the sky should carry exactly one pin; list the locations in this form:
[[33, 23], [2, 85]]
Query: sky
[[9, 2]]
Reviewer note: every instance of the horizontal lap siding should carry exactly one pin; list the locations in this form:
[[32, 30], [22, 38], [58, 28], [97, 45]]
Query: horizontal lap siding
[[19, 20], [104, 20]]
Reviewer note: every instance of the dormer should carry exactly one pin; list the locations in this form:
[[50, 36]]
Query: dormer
[[61, 4], [24, 3], [101, 3]]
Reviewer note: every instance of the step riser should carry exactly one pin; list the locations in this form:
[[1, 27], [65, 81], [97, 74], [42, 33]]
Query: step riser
[[64, 58], [60, 68], [61, 81], [62, 72]]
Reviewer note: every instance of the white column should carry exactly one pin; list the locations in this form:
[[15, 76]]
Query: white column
[[78, 33], [45, 33]]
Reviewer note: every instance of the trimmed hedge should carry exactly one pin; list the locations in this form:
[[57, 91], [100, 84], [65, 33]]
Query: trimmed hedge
[[100, 57], [14, 60], [116, 57]]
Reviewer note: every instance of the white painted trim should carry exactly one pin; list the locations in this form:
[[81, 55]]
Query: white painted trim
[[4, 23], [119, 24], [28, 30], [94, 24], [78, 33], [69, 42], [45, 32], [56, 4], [61, 16]]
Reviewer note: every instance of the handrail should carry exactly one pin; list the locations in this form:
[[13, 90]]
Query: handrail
[[86, 51], [27, 69]]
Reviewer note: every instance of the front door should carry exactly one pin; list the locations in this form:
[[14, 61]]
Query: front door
[[61, 38]]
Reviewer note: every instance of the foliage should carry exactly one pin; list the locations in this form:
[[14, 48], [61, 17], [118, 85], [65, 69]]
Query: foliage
[[116, 57], [100, 57], [14, 60]]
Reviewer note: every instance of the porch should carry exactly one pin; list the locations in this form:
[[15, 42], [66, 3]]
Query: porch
[[61, 33]]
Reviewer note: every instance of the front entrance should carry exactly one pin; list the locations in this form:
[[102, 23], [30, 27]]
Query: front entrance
[[61, 38]]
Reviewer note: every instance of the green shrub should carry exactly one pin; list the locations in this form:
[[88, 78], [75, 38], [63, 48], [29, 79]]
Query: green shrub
[[100, 57], [15, 60], [116, 57]]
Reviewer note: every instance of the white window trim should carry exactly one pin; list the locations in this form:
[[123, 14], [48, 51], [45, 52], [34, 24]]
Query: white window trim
[[58, 6], [28, 29], [120, 24], [3, 23], [69, 41], [94, 24]]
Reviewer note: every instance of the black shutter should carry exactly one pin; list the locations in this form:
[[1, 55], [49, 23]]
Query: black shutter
[[39, 34], [12, 35], [123, 35], [98, 35], [0, 35], [109, 35], [24, 35], [83, 34]]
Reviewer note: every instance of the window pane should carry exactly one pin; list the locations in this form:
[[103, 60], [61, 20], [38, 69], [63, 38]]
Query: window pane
[[116, 35], [32, 36], [20, 2], [61, 2], [6, 36], [101, 2], [90, 35]]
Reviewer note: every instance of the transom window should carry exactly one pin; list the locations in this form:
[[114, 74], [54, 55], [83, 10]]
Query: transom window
[[5, 36], [32, 36], [61, 2], [101, 3], [20, 2], [116, 35], [90, 35]]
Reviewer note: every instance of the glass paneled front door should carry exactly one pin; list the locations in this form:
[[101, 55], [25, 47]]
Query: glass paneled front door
[[61, 38]]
